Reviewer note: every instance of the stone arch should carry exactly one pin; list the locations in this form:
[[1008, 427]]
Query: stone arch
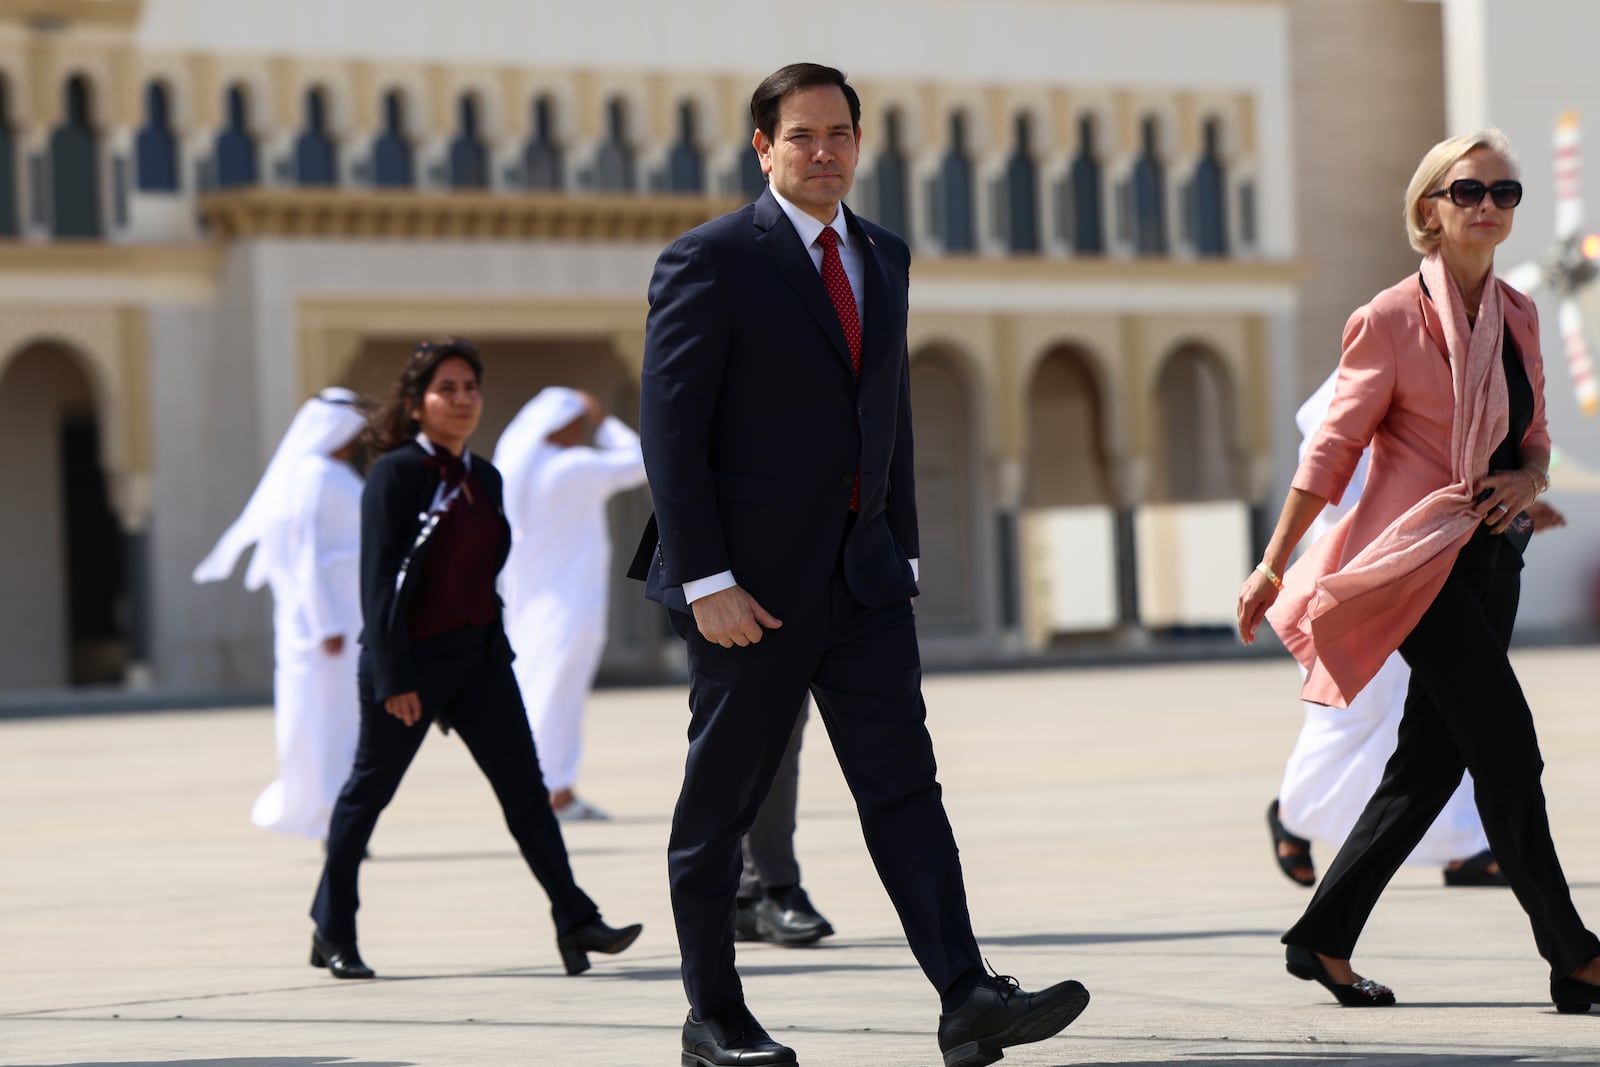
[[75, 195], [184, 109], [316, 142], [23, 107], [563, 99], [1208, 189], [945, 409], [491, 107], [1067, 404], [261, 104], [1197, 453], [10, 155], [157, 148], [331, 81], [62, 580], [393, 157]]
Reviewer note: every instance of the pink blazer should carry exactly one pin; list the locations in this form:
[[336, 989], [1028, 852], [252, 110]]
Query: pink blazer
[[1393, 389]]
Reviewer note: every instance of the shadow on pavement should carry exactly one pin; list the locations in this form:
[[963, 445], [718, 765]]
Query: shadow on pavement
[[241, 1061], [1024, 940], [1339, 1059]]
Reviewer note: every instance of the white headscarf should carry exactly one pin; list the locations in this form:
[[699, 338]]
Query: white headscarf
[[552, 408], [324, 424]]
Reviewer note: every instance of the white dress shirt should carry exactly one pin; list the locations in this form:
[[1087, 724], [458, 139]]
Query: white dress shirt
[[854, 261]]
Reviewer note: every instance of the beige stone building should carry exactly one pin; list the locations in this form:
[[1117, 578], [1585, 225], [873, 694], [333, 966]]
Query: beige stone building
[[212, 208]]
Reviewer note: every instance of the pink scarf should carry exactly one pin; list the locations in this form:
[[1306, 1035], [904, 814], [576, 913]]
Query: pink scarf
[[1398, 574]]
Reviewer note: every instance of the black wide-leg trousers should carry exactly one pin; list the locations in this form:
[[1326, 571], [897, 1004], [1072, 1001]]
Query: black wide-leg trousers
[[863, 667], [1464, 711], [465, 680]]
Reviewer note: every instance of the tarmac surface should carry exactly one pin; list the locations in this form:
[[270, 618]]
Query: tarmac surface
[[1112, 827]]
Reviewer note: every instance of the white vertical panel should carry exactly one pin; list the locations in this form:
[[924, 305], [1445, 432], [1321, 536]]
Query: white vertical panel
[[1069, 571], [1191, 559]]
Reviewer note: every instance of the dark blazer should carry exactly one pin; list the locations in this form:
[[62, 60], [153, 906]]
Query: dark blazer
[[396, 534], [752, 419]]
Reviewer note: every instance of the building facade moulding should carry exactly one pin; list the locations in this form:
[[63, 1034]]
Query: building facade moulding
[[331, 332], [241, 214], [60, 14]]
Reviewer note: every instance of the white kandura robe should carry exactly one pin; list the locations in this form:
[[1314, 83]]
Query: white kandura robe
[[315, 595], [1339, 757], [555, 584]]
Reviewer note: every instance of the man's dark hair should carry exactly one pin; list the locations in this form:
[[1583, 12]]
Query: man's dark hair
[[796, 76]]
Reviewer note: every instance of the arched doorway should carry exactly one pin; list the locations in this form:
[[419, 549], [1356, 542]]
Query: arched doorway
[[62, 582], [1198, 456], [947, 505], [1193, 534], [1073, 546], [1066, 452], [514, 370]]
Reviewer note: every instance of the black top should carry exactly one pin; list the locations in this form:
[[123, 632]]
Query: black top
[[1483, 550]]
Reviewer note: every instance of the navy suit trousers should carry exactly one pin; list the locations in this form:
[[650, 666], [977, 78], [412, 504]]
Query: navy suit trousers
[[463, 678], [862, 666]]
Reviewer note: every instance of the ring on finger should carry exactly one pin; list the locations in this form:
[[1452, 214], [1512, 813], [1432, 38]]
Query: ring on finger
[[1501, 507]]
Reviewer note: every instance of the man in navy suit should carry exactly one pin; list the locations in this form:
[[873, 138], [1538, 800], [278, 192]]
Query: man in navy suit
[[776, 420]]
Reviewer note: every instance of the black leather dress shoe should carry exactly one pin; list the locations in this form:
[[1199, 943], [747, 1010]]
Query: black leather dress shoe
[[340, 957], [1000, 1014], [594, 936], [731, 1039], [1573, 996], [782, 917]]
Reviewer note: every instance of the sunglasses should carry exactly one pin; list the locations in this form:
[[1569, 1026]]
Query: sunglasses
[[1468, 192]]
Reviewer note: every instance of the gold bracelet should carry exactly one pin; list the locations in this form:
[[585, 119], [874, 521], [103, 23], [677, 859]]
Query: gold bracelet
[[1541, 484], [1262, 568]]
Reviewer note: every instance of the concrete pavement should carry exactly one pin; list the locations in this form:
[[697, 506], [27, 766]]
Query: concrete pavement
[[1112, 830]]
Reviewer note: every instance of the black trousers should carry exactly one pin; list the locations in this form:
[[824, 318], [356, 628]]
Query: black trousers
[[467, 680], [768, 849], [1464, 711], [863, 667]]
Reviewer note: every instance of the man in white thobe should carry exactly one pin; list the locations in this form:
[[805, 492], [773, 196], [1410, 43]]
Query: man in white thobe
[[556, 578], [304, 520]]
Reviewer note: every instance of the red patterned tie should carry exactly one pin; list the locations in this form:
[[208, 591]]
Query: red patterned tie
[[837, 283]]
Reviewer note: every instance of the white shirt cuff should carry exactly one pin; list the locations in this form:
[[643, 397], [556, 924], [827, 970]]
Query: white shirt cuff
[[916, 573], [704, 587]]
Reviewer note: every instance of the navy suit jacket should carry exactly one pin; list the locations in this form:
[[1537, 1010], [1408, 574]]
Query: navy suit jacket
[[752, 419]]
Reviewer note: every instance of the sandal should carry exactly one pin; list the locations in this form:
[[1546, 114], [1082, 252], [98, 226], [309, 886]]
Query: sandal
[[1299, 860], [1474, 871]]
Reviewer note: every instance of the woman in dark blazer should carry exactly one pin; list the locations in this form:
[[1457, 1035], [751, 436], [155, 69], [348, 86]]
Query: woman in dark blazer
[[433, 649]]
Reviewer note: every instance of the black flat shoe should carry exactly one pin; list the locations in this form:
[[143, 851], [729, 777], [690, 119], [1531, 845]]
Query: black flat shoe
[[340, 957], [1299, 860], [1573, 996], [1365, 993], [594, 936], [731, 1039], [999, 1014]]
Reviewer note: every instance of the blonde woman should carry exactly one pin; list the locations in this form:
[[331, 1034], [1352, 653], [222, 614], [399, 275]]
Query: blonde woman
[[1441, 374]]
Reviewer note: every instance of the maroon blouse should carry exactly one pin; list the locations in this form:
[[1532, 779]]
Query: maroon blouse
[[456, 586]]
